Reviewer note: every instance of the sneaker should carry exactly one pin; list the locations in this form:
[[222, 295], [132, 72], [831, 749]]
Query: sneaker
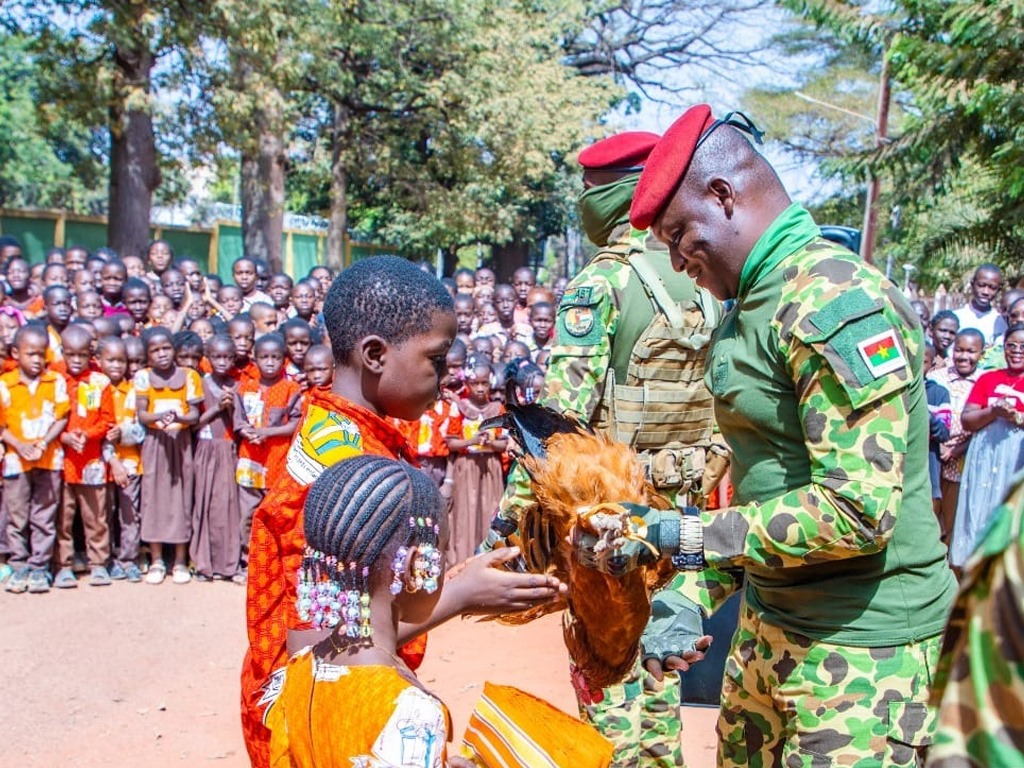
[[18, 582], [157, 573], [241, 578], [39, 581], [78, 563], [202, 578], [117, 572], [99, 577], [132, 574], [66, 579], [5, 572], [180, 574]]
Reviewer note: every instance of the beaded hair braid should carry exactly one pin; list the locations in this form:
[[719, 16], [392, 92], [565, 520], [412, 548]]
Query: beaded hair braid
[[353, 512]]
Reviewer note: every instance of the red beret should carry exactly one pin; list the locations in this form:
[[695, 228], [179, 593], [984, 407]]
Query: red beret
[[623, 150], [667, 164]]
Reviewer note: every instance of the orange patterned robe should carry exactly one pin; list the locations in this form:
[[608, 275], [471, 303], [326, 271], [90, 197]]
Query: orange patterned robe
[[334, 716]]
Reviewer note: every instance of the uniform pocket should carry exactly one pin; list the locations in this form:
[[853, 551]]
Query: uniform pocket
[[911, 728]]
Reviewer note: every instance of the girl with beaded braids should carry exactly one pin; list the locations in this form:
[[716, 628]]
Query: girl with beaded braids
[[375, 533]]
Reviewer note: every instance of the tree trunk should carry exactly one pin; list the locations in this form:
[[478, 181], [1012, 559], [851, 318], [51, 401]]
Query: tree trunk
[[134, 173], [338, 217], [510, 257], [263, 195]]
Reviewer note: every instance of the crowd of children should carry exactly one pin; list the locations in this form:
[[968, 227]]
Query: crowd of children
[[146, 408], [975, 389]]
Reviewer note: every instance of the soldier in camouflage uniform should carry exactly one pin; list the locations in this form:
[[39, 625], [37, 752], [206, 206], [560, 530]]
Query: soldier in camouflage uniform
[[816, 374], [979, 688], [631, 333]]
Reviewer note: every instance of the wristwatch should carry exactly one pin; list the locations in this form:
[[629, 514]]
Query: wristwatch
[[690, 555]]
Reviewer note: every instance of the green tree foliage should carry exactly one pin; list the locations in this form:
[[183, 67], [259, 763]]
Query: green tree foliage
[[47, 159], [956, 163]]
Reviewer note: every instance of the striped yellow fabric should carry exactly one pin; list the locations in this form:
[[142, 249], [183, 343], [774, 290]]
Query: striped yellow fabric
[[512, 729]]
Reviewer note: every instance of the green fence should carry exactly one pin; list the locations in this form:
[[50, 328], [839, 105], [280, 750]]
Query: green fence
[[214, 248]]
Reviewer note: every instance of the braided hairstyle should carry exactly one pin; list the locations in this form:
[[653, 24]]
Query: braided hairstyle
[[362, 509]]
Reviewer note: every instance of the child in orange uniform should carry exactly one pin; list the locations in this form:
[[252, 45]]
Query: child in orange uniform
[[266, 414], [34, 404], [124, 457], [90, 417]]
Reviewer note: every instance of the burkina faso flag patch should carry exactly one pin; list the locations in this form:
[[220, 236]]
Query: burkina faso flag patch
[[882, 353]]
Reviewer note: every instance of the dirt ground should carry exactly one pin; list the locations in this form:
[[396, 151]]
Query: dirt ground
[[136, 675]]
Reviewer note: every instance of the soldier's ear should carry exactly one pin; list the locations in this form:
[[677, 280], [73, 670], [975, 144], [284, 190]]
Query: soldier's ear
[[723, 192]]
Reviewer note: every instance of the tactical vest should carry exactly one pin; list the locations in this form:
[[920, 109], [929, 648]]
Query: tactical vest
[[661, 408]]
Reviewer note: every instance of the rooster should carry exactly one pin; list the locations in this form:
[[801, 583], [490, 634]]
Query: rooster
[[576, 478]]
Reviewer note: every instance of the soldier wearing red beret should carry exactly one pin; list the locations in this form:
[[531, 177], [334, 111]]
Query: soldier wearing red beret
[[816, 374], [629, 352]]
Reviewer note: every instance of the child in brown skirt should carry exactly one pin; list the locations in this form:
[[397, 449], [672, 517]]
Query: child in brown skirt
[[168, 399], [215, 513], [478, 478]]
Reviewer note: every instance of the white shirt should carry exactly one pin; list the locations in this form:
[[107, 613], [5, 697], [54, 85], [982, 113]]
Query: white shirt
[[991, 323]]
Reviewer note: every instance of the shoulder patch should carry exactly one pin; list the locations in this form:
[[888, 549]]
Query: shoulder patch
[[882, 353]]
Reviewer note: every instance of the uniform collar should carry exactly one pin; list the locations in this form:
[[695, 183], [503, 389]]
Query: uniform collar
[[791, 230]]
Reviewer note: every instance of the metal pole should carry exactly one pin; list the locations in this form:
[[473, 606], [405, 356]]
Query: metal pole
[[867, 242]]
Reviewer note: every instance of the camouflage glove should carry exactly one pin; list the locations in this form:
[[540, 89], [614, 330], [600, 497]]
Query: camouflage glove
[[676, 624], [661, 536]]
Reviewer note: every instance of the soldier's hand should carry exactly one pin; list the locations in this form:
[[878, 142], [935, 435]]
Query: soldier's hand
[[595, 552], [674, 638]]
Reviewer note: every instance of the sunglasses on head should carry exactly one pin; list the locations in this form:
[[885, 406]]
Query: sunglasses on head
[[737, 120]]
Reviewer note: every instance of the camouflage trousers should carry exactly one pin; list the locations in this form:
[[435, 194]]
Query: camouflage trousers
[[794, 702], [640, 716]]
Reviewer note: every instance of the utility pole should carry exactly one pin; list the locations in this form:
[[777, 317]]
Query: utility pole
[[867, 241]]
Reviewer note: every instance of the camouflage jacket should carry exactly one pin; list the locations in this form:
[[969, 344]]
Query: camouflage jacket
[[979, 686], [817, 380]]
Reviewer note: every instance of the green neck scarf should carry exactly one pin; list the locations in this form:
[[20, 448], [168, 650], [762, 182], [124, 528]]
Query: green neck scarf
[[604, 208], [791, 230]]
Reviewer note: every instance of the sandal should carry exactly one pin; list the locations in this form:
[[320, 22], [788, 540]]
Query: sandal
[[157, 573]]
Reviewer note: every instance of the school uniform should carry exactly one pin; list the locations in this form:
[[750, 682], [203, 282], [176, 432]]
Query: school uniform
[[168, 475], [32, 488], [216, 518], [85, 473], [126, 502], [260, 406]]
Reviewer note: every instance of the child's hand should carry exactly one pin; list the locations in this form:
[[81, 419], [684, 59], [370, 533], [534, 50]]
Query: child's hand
[[167, 418], [74, 440], [120, 474], [114, 435], [29, 451], [483, 586], [227, 399], [249, 435]]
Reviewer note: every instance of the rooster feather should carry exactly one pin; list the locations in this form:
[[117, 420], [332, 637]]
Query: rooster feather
[[605, 614]]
